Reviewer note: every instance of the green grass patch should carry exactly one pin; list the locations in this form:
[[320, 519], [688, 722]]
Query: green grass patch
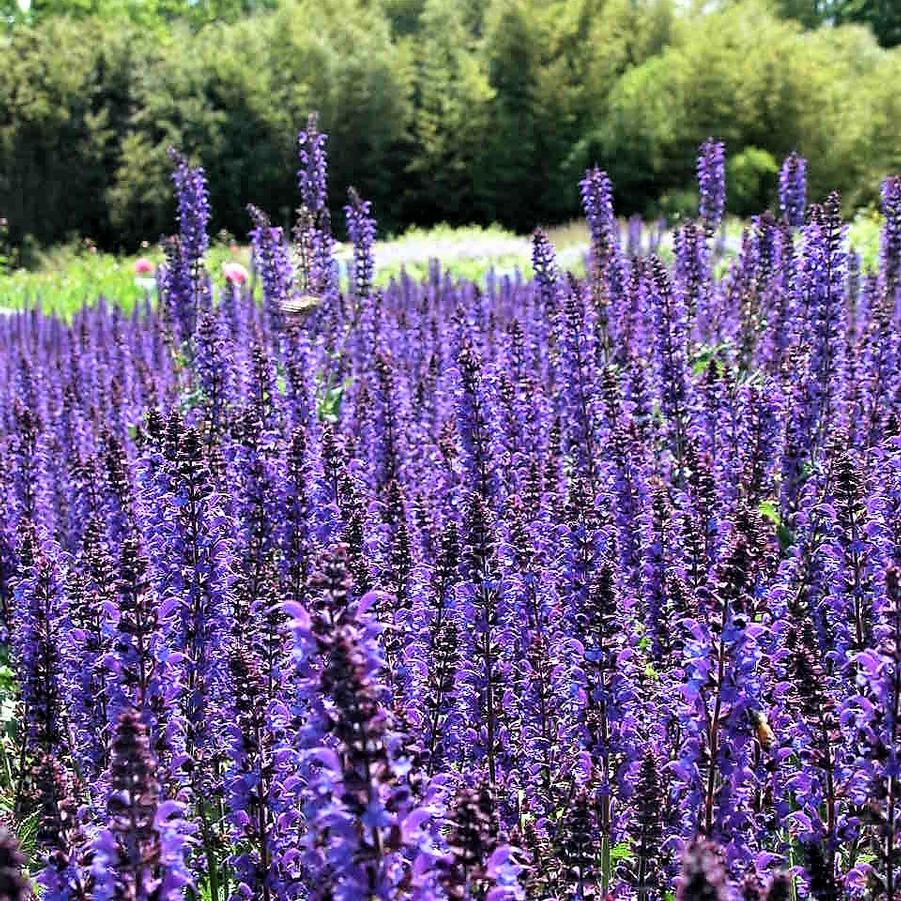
[[68, 277]]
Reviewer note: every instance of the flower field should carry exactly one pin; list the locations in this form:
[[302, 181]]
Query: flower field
[[559, 588]]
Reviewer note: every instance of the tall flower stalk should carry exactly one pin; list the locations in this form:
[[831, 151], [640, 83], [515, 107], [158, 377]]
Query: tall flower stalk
[[140, 853], [712, 183], [793, 189]]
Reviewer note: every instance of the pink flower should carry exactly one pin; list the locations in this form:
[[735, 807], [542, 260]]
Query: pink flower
[[143, 266], [234, 273]]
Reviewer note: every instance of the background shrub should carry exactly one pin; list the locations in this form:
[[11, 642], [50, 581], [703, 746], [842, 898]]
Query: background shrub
[[439, 110]]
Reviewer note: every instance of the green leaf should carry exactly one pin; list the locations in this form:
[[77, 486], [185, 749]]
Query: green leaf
[[328, 404], [702, 361], [786, 536], [768, 510]]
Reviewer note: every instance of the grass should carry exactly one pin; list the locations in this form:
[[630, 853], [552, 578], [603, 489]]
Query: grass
[[68, 277]]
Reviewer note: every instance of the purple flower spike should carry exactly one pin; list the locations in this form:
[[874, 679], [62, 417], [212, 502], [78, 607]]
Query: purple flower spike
[[184, 288], [891, 234], [40, 622], [361, 231], [712, 183], [62, 845], [547, 274], [140, 853], [313, 174], [361, 821], [793, 189], [317, 269], [477, 864], [597, 202], [193, 207], [273, 261]]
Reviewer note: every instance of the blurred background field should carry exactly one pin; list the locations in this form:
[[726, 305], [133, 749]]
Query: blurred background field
[[66, 277]]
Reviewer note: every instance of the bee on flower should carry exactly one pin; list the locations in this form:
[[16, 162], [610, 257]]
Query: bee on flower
[[763, 731]]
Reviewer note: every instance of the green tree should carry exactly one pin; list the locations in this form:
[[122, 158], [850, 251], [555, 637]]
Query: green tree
[[451, 119], [748, 78], [145, 13], [236, 101], [513, 170], [361, 82], [64, 99], [883, 17], [751, 176], [437, 109]]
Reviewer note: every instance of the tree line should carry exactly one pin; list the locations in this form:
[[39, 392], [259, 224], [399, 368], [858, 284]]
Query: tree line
[[437, 110]]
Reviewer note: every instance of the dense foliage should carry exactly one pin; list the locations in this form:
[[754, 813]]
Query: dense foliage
[[442, 110], [541, 591], [882, 16], [147, 13]]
